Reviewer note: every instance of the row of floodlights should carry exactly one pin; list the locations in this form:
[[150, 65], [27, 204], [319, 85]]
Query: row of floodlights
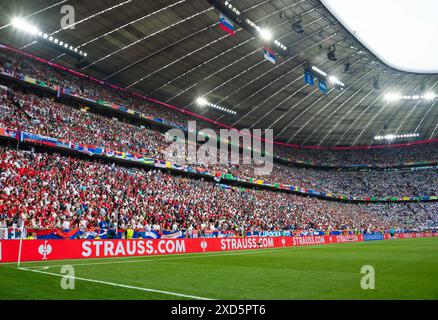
[[22, 25], [332, 79], [264, 33], [204, 102], [397, 136], [232, 8], [396, 97]]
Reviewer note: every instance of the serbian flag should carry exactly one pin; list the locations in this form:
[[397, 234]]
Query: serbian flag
[[226, 24], [269, 54]]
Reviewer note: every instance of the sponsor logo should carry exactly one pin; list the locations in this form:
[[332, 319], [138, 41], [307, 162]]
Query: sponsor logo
[[305, 241], [373, 237], [110, 248], [44, 250], [204, 245], [349, 238], [246, 243]]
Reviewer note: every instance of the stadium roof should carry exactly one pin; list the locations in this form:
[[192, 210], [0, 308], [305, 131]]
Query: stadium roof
[[174, 51]]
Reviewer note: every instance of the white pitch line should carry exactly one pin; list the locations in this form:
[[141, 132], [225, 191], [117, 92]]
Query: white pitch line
[[119, 285], [185, 256], [179, 257]]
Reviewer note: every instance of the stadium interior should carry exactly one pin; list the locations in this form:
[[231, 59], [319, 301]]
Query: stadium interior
[[91, 93]]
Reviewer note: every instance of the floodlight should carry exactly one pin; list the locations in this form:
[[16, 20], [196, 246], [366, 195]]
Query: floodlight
[[24, 26], [201, 101], [392, 97], [319, 71], [429, 96], [333, 79], [265, 34]]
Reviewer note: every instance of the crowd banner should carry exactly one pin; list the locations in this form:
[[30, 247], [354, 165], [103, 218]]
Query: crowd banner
[[53, 249]]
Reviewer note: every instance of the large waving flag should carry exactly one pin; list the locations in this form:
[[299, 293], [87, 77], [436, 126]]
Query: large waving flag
[[226, 24], [269, 54]]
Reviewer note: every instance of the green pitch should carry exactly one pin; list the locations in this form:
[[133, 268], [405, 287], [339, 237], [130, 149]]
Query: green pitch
[[404, 269]]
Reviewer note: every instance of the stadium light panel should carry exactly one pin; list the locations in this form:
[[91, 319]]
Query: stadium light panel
[[204, 102], [24, 26], [314, 68], [398, 33], [429, 96], [396, 136], [392, 97], [334, 80], [201, 101]]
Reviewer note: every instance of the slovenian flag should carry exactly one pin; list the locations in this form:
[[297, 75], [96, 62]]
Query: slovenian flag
[[226, 24], [269, 54]]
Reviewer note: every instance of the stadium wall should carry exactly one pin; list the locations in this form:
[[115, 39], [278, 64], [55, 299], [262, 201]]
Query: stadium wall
[[45, 250]]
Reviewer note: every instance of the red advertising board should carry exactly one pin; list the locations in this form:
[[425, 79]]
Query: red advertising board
[[38, 250]]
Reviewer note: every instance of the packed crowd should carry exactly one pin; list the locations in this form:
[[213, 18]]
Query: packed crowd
[[54, 191], [406, 182], [18, 64], [28, 112], [389, 156], [42, 115]]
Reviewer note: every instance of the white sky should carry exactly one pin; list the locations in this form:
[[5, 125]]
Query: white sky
[[402, 33]]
